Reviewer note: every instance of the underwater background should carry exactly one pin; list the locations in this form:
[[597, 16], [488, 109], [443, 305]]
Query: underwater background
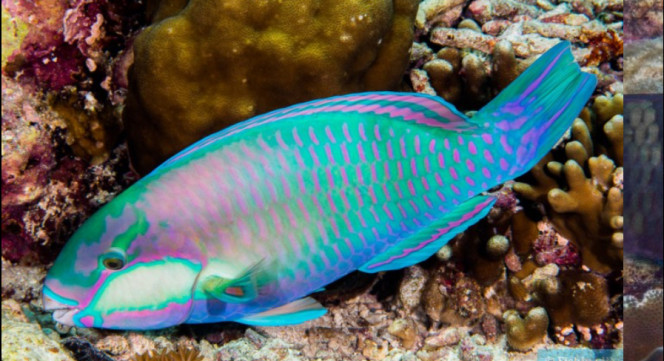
[[89, 86]]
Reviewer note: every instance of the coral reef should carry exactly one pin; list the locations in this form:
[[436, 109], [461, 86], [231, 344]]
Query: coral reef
[[72, 49], [180, 354], [547, 254], [18, 333], [643, 19], [643, 66], [46, 192], [236, 60]]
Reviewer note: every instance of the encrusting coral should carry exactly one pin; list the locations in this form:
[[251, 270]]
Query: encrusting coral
[[211, 64]]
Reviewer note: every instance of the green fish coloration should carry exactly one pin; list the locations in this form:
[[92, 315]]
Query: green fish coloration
[[244, 224]]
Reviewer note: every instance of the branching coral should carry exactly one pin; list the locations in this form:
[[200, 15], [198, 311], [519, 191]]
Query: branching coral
[[215, 63], [583, 194]]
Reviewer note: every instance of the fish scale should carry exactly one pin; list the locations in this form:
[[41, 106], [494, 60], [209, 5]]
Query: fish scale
[[247, 222]]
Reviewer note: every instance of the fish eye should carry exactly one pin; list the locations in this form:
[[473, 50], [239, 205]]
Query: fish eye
[[114, 259]]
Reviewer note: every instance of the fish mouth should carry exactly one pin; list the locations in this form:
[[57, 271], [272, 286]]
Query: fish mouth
[[62, 313]]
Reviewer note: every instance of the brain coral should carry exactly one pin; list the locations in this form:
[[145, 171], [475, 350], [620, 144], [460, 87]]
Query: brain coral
[[208, 65]]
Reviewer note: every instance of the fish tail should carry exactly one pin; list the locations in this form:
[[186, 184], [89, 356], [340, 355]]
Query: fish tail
[[534, 111]]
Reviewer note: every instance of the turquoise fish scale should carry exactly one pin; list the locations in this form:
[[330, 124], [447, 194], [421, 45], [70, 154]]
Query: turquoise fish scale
[[301, 196]]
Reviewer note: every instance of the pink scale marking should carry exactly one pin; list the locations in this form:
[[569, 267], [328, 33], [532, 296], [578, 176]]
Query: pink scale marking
[[374, 149], [296, 137], [414, 205], [472, 148], [453, 173], [344, 129], [388, 197], [470, 165], [402, 145], [360, 152], [455, 155], [303, 210], [503, 141], [374, 177], [390, 153], [280, 140], [425, 183], [403, 211], [488, 139], [328, 153], [312, 136], [413, 166], [289, 214], [358, 196], [486, 172], [372, 195], [344, 176], [441, 160], [438, 179], [329, 134], [488, 156], [411, 187], [363, 136], [377, 132], [455, 189], [427, 201], [314, 156], [460, 140], [417, 144], [332, 203], [503, 164], [361, 218], [388, 212], [399, 170], [432, 146], [330, 178], [470, 181], [276, 220], [344, 199], [344, 153]]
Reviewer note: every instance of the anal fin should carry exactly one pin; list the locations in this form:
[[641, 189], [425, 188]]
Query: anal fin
[[422, 244], [298, 311]]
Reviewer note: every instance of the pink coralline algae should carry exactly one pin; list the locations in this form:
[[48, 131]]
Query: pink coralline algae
[[46, 191], [66, 39]]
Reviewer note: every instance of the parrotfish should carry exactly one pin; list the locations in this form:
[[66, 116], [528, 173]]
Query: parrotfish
[[244, 224]]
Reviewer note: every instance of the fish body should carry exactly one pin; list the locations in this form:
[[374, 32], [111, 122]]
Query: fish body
[[244, 224]]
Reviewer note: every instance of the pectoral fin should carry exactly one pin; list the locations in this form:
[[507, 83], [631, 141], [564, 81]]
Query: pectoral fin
[[244, 288], [299, 311]]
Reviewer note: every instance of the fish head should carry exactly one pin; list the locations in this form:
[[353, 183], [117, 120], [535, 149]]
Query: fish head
[[122, 270]]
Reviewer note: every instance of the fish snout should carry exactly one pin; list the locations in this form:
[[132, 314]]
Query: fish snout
[[62, 312]]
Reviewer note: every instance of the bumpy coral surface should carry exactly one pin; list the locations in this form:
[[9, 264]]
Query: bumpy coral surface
[[215, 63]]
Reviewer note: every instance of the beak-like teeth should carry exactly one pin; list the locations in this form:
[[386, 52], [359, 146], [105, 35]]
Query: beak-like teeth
[[63, 313]]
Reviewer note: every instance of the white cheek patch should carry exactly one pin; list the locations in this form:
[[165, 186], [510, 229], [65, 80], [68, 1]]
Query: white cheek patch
[[147, 286]]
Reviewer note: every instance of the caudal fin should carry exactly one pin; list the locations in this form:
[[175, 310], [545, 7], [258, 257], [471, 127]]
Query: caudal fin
[[538, 107]]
